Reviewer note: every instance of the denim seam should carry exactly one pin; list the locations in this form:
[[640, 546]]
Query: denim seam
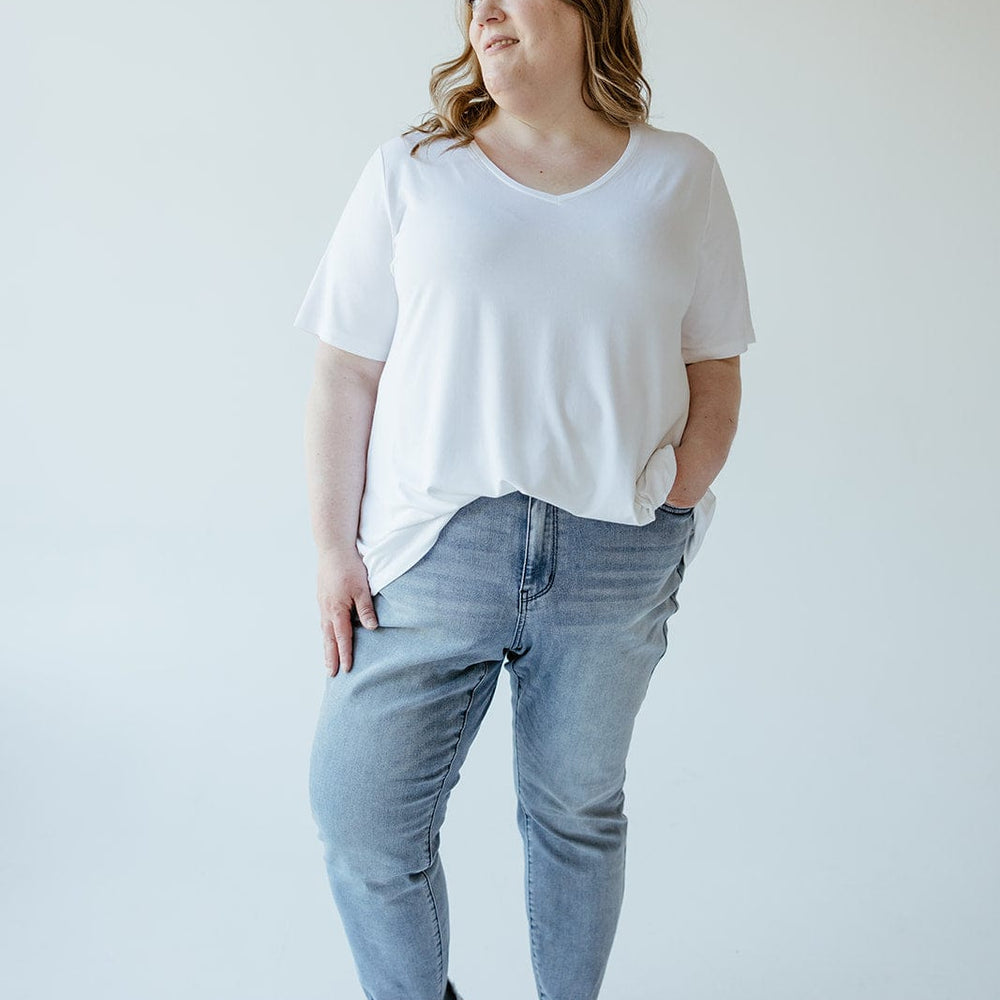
[[430, 825], [519, 624], [454, 754], [555, 553], [675, 602], [522, 600], [527, 535], [437, 929], [527, 841]]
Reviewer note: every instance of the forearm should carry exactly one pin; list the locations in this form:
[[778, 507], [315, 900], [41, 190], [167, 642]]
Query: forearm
[[715, 389], [337, 428]]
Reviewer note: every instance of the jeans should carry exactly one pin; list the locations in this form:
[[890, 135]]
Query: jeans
[[576, 610]]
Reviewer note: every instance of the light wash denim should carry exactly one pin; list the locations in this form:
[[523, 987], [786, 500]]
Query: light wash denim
[[576, 609]]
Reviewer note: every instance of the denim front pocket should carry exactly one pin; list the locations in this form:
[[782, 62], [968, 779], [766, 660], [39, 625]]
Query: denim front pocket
[[670, 509]]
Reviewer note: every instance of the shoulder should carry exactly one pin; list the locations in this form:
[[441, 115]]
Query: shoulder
[[678, 147], [397, 151]]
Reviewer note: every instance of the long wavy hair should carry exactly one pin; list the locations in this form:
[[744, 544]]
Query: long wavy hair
[[613, 83]]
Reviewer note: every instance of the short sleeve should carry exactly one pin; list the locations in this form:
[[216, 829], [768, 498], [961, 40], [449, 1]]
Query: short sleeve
[[717, 323], [351, 301]]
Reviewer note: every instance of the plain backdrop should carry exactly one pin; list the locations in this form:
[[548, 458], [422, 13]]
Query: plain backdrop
[[812, 790]]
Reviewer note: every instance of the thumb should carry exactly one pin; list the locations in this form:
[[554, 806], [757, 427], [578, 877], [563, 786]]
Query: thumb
[[366, 611]]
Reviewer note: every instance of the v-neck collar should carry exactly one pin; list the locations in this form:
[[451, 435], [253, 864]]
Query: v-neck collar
[[630, 147]]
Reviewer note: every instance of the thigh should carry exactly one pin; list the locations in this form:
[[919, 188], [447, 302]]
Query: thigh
[[591, 645], [394, 730], [390, 741]]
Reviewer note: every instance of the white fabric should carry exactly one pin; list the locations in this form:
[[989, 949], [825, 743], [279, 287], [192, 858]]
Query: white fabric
[[532, 341]]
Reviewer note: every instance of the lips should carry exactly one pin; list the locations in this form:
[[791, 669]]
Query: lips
[[501, 38]]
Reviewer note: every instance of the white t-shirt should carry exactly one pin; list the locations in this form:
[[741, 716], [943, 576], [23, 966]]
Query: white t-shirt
[[532, 341]]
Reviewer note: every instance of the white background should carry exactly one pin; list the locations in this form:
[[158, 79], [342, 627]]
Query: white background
[[813, 785]]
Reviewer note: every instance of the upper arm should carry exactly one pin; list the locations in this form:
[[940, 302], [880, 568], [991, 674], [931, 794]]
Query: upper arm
[[717, 323], [351, 301], [733, 362], [333, 362]]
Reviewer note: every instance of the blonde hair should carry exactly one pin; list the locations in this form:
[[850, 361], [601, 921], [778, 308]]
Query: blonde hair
[[613, 83]]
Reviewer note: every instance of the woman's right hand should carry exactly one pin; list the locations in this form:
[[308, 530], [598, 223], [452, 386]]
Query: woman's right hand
[[342, 586]]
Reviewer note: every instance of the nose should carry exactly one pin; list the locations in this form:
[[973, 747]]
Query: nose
[[484, 10]]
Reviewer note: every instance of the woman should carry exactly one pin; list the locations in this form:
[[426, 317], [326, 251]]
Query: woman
[[530, 317]]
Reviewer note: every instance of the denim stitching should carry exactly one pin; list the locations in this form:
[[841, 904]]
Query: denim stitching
[[675, 604], [555, 549], [521, 603], [437, 926], [430, 825], [527, 834], [461, 733]]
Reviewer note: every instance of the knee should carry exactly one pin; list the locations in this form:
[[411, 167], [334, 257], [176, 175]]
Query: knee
[[362, 833], [572, 796]]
